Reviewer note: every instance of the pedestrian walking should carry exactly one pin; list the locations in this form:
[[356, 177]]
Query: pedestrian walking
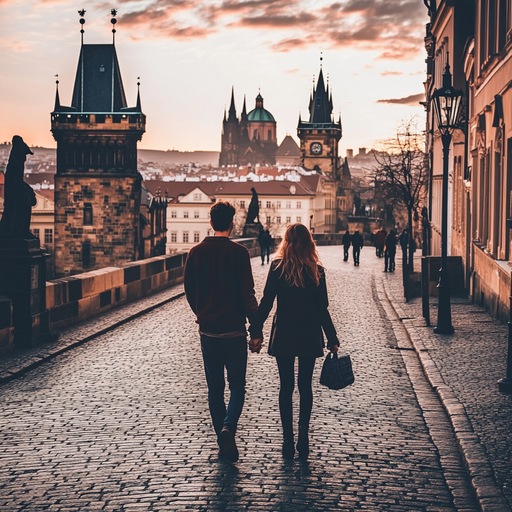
[[380, 242], [357, 245], [220, 290], [265, 240], [390, 252], [298, 281], [346, 240]]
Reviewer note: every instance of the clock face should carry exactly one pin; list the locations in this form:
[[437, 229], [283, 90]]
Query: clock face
[[316, 148]]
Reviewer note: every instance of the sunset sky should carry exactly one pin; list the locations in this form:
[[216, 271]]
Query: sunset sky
[[188, 54]]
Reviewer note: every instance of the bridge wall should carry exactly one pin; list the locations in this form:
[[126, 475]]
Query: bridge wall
[[6, 327]]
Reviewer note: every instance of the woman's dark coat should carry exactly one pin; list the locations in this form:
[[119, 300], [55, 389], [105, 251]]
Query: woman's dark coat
[[301, 315]]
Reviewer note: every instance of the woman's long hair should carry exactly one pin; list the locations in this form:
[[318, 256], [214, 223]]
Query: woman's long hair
[[297, 255]]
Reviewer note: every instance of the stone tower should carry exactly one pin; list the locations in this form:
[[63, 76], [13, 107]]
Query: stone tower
[[319, 137], [230, 135], [97, 185]]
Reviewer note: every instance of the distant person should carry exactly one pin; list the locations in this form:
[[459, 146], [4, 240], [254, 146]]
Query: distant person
[[357, 245], [264, 239], [220, 290], [390, 252], [346, 240], [380, 242], [298, 281]]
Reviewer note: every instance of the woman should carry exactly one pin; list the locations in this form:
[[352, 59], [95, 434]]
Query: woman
[[298, 281]]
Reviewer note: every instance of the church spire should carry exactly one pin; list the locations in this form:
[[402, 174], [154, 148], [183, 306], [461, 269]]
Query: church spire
[[244, 111], [232, 109], [138, 106], [56, 108]]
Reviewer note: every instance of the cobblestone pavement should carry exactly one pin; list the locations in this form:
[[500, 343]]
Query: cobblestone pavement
[[121, 422], [467, 366]]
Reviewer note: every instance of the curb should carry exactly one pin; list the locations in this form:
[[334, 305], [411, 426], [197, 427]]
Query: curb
[[36, 361], [481, 474]]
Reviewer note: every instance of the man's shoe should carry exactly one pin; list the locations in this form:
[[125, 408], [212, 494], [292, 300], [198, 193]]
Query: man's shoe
[[228, 445]]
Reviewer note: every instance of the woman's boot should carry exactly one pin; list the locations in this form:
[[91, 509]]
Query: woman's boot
[[303, 442]]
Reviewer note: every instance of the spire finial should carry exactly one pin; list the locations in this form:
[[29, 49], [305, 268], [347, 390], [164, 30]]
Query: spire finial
[[321, 58], [113, 12], [81, 13], [139, 107], [56, 107]]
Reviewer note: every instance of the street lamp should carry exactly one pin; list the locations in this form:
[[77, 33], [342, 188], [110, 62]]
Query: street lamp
[[447, 102]]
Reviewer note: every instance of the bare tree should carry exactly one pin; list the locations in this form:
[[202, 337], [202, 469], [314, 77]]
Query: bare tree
[[401, 174]]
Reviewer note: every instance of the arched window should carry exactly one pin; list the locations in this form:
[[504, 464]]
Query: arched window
[[87, 214], [256, 134], [269, 135]]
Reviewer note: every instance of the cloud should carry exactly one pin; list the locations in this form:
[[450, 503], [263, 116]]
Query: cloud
[[394, 29], [413, 99], [391, 73]]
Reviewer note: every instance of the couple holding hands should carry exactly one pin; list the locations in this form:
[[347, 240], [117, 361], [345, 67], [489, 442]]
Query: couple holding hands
[[220, 290]]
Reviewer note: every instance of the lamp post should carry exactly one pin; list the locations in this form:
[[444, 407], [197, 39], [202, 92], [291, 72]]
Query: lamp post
[[447, 101]]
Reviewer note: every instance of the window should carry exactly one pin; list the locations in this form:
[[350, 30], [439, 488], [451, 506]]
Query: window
[[196, 215], [242, 204], [86, 254], [173, 214], [196, 237], [269, 204], [278, 204], [36, 232], [299, 205], [288, 204], [269, 220], [174, 236], [48, 236], [269, 135], [87, 214], [197, 196], [278, 220], [259, 204], [288, 220], [185, 215], [185, 237]]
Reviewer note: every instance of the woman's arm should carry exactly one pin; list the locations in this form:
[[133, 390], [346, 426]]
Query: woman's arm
[[325, 317], [269, 294]]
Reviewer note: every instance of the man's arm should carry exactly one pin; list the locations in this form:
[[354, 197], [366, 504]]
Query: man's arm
[[248, 295]]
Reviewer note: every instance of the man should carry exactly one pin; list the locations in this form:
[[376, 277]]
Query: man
[[264, 241], [380, 241], [220, 290], [357, 244], [346, 240]]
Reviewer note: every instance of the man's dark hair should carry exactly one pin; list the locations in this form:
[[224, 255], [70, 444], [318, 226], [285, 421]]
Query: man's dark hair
[[221, 215]]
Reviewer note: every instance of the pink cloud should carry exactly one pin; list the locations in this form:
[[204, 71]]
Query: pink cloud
[[413, 99]]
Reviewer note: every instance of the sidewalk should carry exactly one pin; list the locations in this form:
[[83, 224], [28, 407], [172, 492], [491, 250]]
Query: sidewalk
[[464, 369]]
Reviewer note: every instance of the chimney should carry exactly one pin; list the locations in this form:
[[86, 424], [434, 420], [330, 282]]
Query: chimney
[[362, 152], [350, 153]]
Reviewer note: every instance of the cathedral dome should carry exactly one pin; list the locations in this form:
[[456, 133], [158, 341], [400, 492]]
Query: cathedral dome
[[259, 114]]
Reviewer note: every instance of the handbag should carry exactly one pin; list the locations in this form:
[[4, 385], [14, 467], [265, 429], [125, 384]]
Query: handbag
[[337, 372]]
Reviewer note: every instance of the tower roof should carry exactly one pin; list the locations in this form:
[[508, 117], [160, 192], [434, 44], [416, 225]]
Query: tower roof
[[320, 105], [98, 82], [232, 109]]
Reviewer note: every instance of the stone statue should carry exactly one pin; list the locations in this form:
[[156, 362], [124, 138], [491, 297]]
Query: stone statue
[[19, 198], [253, 212]]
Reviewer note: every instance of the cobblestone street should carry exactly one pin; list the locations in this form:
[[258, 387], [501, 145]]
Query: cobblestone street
[[122, 423]]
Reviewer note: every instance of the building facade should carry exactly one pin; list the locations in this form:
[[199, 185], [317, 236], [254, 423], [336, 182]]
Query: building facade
[[250, 140], [97, 185], [478, 36]]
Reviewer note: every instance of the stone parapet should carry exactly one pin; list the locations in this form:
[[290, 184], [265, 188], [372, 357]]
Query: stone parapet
[[74, 299]]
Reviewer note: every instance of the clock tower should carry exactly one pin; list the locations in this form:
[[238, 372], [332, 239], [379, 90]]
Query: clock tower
[[319, 137]]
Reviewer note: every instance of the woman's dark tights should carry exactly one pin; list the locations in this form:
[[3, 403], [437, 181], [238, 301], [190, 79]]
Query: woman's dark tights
[[286, 367]]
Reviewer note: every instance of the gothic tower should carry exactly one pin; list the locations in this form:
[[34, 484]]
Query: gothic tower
[[319, 137], [97, 185], [230, 136]]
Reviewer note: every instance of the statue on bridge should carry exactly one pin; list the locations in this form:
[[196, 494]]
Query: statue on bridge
[[253, 225], [19, 198]]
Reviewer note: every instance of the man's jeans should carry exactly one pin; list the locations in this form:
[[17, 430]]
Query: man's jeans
[[229, 353]]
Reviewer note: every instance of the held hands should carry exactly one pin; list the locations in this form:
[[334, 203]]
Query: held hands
[[255, 345], [334, 349]]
